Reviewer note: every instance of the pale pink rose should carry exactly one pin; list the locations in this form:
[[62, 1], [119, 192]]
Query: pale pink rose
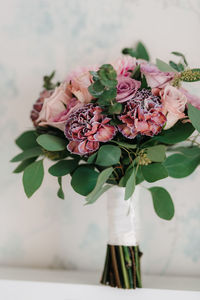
[[78, 83], [192, 99], [126, 88], [173, 105], [124, 64], [155, 78], [57, 107]]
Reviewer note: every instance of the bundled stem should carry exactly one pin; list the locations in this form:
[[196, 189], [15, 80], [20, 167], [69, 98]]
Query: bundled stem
[[122, 267]]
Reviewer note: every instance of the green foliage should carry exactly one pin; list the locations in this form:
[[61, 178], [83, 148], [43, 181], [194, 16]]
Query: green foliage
[[33, 177], [125, 145], [27, 140], [84, 180], [164, 67], [181, 55], [25, 163], [156, 153], [154, 172], [178, 67], [29, 153], [179, 165], [107, 96], [63, 167], [176, 134], [194, 115], [144, 84], [60, 192], [108, 155], [130, 185], [162, 202], [136, 74], [100, 188], [139, 52], [107, 76], [47, 82], [52, 142], [188, 151], [139, 176], [92, 158], [116, 108]]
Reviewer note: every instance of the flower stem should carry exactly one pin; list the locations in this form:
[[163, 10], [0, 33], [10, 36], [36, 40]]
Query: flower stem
[[124, 272]]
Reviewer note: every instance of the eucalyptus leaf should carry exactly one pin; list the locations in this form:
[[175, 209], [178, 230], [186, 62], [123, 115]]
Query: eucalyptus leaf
[[27, 140], [164, 67], [28, 153], [156, 153], [92, 158], [84, 180], [162, 202], [52, 142], [25, 163], [181, 55], [142, 52], [125, 145], [130, 185], [108, 155], [33, 177], [107, 96], [154, 172], [129, 51], [98, 194], [179, 165], [63, 167], [194, 115], [116, 108], [60, 192]]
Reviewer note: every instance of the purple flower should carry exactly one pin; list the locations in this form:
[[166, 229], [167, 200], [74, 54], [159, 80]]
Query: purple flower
[[126, 88], [86, 127]]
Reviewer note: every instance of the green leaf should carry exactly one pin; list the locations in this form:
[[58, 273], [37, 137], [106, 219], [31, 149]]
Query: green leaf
[[129, 51], [179, 165], [142, 52], [96, 89], [102, 178], [52, 142], [29, 153], [176, 134], [156, 153], [181, 55], [33, 177], [194, 115], [48, 85], [108, 155], [107, 75], [154, 172], [107, 97], [144, 84], [174, 66], [92, 158], [124, 179], [125, 145], [60, 192], [84, 180], [98, 194], [24, 164], [130, 185], [164, 67], [188, 151], [116, 108], [139, 176], [162, 203], [136, 74], [27, 140], [63, 167]]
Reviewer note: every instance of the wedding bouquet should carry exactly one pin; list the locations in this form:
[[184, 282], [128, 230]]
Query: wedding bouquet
[[110, 126]]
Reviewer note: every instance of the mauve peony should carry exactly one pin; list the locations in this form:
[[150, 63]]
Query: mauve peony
[[57, 107], [86, 127], [155, 78], [192, 99], [126, 88], [78, 83], [173, 105], [142, 115], [124, 64]]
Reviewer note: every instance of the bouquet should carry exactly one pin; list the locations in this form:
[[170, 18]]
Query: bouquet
[[108, 127]]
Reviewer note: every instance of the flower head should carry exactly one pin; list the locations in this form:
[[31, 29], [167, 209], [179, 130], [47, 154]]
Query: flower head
[[155, 78], [173, 105], [86, 127], [126, 88], [124, 65], [142, 115], [37, 107]]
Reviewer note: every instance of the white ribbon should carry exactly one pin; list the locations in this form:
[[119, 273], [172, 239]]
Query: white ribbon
[[122, 222]]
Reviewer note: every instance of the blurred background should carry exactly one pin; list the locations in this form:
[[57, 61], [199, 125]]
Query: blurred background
[[38, 36]]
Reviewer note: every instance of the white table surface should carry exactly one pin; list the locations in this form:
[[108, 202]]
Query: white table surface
[[36, 284]]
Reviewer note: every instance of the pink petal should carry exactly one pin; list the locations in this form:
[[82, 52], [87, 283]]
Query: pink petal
[[73, 147], [105, 133]]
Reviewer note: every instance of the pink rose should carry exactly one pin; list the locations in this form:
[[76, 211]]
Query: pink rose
[[192, 99], [173, 101], [56, 108], [79, 81], [126, 88], [155, 78], [124, 64]]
